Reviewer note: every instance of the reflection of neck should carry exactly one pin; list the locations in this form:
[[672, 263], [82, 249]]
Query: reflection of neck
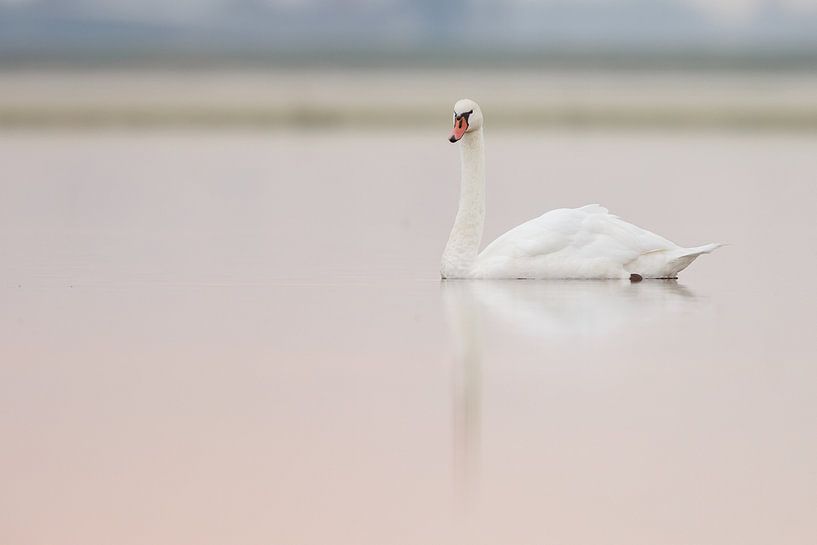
[[462, 316], [463, 243]]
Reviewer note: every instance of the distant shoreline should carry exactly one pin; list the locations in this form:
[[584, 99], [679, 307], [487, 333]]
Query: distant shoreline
[[404, 98], [646, 57]]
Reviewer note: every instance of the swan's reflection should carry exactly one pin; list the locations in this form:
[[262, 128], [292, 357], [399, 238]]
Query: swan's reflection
[[462, 315], [545, 311], [574, 308]]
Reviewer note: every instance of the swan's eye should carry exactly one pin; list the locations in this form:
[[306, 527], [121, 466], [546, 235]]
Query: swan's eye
[[460, 117]]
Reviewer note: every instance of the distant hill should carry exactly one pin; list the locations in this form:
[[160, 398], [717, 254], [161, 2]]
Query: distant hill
[[402, 31]]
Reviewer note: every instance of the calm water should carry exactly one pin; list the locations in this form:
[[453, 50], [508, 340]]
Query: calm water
[[241, 338]]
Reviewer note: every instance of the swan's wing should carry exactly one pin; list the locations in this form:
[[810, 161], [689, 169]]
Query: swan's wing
[[604, 234], [547, 234], [575, 237]]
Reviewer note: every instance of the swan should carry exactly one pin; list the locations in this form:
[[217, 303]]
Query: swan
[[586, 242]]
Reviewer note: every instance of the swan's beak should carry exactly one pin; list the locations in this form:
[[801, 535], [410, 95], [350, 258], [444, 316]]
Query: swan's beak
[[460, 126]]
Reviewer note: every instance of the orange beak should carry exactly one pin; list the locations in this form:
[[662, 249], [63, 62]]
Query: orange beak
[[460, 126]]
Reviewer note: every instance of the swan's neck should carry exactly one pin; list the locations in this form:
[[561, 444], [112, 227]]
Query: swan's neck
[[463, 244]]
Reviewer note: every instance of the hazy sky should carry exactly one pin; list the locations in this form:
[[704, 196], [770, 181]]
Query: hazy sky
[[182, 23], [726, 11]]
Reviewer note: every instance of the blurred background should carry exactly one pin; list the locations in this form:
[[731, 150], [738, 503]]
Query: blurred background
[[221, 317], [290, 63]]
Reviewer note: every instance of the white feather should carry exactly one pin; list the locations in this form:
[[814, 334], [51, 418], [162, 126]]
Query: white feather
[[586, 242]]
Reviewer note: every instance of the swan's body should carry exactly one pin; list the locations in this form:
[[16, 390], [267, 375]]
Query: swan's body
[[586, 242]]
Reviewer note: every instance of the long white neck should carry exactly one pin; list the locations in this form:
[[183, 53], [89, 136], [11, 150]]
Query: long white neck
[[463, 244]]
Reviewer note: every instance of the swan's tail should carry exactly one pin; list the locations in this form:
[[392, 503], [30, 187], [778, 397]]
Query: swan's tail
[[685, 256], [698, 250]]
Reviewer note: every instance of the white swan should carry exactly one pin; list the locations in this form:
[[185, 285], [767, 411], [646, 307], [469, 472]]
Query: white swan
[[586, 242]]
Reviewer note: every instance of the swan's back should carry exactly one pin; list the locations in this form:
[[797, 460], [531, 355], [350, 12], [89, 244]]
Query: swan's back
[[586, 242]]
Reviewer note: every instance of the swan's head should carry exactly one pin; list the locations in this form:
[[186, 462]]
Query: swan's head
[[467, 118]]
